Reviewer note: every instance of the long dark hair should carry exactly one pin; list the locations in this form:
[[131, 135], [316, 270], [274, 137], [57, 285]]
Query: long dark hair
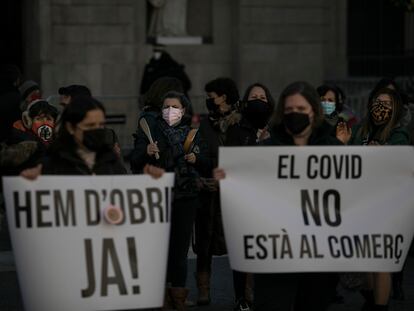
[[385, 83], [384, 132], [73, 114], [308, 92], [270, 99]]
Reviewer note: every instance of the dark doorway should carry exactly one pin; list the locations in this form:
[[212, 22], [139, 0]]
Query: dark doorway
[[376, 39], [11, 50]]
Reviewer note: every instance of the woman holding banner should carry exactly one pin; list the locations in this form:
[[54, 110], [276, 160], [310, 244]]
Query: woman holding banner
[[256, 109], [381, 126], [174, 146], [298, 120], [81, 147]]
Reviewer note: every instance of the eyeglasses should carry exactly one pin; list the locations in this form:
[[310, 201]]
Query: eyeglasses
[[385, 103]]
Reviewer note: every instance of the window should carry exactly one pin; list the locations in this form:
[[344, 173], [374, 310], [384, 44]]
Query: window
[[380, 39]]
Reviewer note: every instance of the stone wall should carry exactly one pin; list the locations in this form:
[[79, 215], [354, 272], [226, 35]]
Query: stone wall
[[286, 40], [103, 44], [90, 42]]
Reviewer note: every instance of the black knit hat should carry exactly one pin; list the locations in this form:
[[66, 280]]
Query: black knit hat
[[75, 90]]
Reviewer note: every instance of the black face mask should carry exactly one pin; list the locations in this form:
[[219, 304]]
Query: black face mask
[[296, 122], [257, 112], [98, 139], [211, 106]]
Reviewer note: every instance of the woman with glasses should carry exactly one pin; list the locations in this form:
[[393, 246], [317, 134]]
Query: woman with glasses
[[381, 126]]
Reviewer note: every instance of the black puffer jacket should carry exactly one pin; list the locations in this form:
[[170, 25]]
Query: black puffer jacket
[[211, 137], [68, 162], [166, 66], [215, 132], [241, 134]]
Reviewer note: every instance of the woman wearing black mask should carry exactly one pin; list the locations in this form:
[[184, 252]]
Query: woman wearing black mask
[[83, 146], [222, 98], [256, 109], [298, 120]]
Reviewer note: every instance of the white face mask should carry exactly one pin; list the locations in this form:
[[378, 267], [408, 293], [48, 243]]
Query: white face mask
[[172, 115], [328, 107]]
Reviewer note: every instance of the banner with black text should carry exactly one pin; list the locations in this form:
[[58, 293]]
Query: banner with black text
[[90, 242], [307, 209]]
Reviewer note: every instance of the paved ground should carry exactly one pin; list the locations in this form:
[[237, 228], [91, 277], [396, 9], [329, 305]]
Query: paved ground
[[222, 291]]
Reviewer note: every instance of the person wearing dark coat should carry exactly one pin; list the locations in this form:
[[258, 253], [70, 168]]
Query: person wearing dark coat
[[21, 150], [222, 100], [167, 141], [15, 152], [31, 149], [163, 65], [381, 126], [83, 146], [407, 120], [298, 120], [256, 109]]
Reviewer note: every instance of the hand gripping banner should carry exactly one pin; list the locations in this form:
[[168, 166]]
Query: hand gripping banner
[[90, 242], [309, 209]]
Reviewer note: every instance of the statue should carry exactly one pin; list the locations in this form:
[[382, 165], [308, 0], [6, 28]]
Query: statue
[[168, 18]]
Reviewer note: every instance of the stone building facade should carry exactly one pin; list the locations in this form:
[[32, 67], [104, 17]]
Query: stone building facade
[[104, 44]]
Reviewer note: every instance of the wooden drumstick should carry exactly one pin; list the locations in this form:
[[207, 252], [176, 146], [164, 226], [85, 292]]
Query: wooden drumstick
[[144, 126]]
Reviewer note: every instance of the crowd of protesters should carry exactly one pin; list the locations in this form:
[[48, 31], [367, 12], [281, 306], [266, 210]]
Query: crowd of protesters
[[37, 138]]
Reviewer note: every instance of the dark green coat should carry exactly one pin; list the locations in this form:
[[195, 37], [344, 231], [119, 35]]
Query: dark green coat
[[398, 136]]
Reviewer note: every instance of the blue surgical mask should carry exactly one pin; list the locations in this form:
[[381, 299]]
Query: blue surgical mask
[[328, 107]]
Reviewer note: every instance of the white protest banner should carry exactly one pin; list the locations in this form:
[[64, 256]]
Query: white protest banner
[[299, 209], [69, 257]]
